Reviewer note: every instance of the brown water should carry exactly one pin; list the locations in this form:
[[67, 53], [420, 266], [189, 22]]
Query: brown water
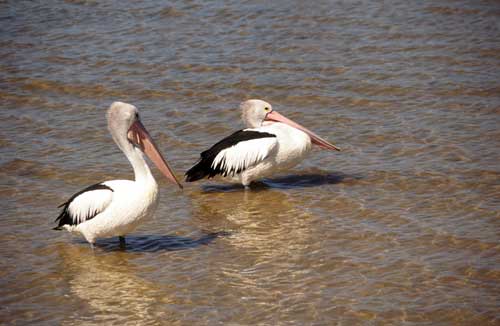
[[400, 228]]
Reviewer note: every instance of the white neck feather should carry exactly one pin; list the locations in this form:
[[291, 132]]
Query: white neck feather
[[142, 173]]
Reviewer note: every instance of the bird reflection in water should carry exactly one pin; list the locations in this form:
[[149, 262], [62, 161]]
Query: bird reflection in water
[[269, 231], [109, 285]]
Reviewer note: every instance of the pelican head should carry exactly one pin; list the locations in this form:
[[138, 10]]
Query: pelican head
[[130, 134], [256, 113], [121, 116]]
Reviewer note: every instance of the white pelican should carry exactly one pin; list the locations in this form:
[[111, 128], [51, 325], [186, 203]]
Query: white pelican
[[269, 143], [117, 207]]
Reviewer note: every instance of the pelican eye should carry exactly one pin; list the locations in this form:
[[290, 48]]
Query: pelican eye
[[267, 109], [137, 116]]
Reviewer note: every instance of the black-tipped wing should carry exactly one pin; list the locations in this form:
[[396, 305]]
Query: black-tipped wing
[[233, 154], [85, 205]]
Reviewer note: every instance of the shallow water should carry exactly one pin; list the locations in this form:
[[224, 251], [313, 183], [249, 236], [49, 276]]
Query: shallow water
[[402, 227]]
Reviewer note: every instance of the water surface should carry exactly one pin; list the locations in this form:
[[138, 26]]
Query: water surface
[[402, 227]]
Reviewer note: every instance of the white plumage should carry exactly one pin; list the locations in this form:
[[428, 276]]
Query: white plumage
[[89, 204], [244, 155], [117, 207], [272, 142]]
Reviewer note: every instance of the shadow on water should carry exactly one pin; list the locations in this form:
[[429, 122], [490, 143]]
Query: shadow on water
[[155, 243], [291, 181]]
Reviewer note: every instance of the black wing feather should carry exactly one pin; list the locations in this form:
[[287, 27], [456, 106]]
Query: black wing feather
[[65, 218], [203, 167]]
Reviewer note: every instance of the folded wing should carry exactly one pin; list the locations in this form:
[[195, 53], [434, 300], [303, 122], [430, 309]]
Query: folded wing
[[234, 154], [85, 205]]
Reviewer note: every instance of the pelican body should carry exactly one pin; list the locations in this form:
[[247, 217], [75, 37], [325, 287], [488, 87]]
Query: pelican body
[[270, 142], [117, 207]]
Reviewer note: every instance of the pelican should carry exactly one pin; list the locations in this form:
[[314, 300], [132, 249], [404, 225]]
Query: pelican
[[270, 142], [117, 207]]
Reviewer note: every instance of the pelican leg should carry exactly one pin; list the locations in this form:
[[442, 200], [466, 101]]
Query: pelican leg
[[92, 246], [122, 241]]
